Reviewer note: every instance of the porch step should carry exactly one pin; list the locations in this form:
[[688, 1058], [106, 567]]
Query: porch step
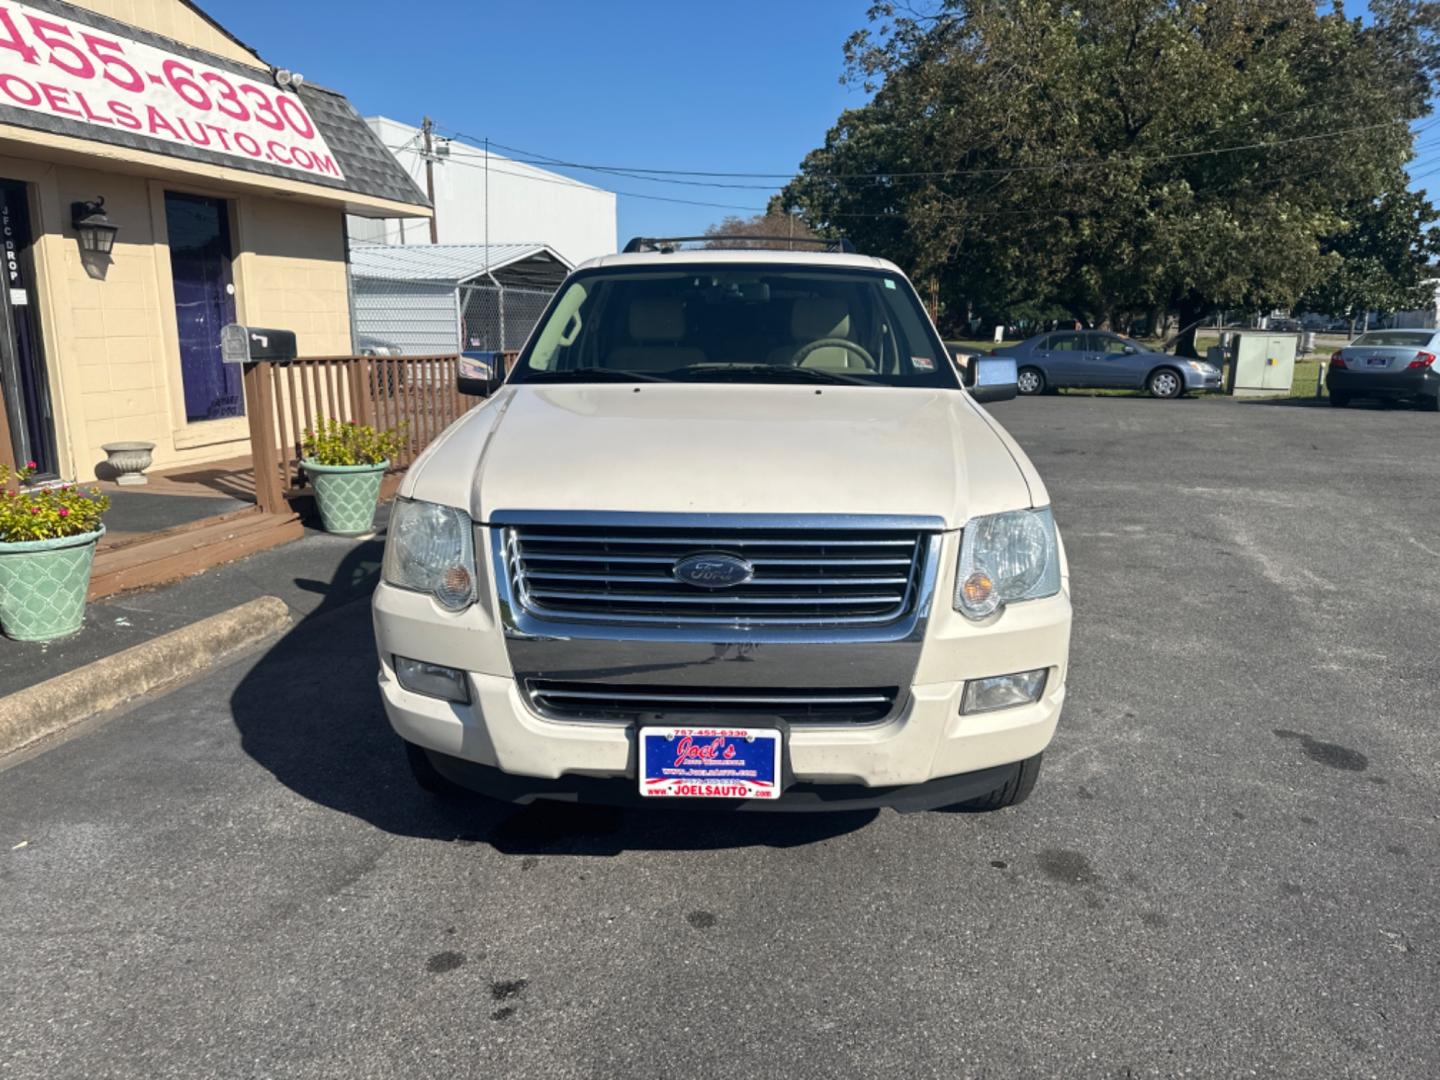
[[189, 549], [113, 541]]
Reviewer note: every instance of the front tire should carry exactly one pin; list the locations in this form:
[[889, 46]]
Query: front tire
[[1165, 383], [1012, 792], [1030, 380]]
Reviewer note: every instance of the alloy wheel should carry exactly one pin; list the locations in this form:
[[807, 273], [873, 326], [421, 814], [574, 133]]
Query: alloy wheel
[[1164, 384]]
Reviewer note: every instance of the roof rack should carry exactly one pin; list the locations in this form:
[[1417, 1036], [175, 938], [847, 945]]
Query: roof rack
[[667, 245]]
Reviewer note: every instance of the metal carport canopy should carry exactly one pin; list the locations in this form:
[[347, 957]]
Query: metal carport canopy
[[532, 265]]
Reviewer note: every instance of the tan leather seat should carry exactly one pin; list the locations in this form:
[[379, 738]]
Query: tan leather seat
[[812, 319], [656, 327]]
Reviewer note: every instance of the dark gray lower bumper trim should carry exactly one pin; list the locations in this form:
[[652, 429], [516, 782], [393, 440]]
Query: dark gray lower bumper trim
[[1383, 384], [621, 791]]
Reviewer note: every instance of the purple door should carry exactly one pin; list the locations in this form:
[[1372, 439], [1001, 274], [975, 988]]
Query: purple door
[[204, 302], [24, 384]]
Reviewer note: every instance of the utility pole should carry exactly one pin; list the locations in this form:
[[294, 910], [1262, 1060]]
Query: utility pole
[[426, 127]]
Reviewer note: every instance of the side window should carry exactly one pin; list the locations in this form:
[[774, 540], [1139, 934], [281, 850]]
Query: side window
[[1109, 345], [1068, 343]]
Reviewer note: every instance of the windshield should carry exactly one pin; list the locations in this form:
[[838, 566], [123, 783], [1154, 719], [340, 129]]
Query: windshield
[[1402, 338], [760, 323]]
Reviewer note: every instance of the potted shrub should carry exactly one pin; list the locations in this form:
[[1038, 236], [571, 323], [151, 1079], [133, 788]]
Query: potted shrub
[[346, 462], [47, 546]]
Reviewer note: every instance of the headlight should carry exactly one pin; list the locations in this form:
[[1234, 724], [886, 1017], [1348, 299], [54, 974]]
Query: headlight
[[431, 549], [1004, 558], [1203, 368]]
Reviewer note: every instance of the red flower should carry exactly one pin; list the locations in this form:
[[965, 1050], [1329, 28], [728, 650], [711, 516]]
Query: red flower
[[64, 511], [31, 465], [34, 509]]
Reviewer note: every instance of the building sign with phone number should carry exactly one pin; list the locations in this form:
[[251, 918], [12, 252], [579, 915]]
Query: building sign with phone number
[[66, 69]]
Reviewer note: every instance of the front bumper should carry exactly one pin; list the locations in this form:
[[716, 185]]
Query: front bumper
[[1421, 382], [926, 738], [1196, 381]]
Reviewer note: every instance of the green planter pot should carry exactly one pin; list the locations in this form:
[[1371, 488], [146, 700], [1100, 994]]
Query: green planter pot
[[347, 495], [43, 585]]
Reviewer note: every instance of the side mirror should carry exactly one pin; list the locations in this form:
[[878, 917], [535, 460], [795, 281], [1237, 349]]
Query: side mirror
[[992, 378], [1129, 350], [480, 374]]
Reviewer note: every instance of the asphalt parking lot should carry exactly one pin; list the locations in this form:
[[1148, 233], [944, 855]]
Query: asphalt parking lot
[[1231, 865]]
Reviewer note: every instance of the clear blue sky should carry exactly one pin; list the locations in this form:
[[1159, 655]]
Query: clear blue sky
[[744, 85]]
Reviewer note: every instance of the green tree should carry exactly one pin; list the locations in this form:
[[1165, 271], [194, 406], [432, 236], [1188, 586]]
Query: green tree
[[1380, 259], [1103, 158], [772, 224]]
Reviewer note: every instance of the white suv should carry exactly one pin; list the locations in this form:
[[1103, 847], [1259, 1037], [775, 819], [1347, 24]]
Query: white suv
[[733, 532]]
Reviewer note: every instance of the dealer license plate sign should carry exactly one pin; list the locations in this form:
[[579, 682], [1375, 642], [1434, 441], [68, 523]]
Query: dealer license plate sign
[[710, 763]]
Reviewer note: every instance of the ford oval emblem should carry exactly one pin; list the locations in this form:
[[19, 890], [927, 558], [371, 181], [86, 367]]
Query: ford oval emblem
[[713, 570]]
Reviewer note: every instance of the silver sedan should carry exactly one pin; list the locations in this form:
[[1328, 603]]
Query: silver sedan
[[1087, 359], [1388, 364]]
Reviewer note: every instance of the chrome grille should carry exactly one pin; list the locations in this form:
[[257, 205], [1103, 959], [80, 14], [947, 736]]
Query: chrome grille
[[802, 577], [597, 701]]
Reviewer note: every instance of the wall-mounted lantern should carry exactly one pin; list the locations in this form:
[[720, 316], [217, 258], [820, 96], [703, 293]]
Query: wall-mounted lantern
[[96, 230]]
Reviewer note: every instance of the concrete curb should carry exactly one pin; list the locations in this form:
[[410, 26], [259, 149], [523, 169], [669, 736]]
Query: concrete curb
[[67, 699]]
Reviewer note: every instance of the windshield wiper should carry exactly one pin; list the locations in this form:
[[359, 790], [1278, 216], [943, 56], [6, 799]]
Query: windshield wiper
[[590, 374], [762, 373]]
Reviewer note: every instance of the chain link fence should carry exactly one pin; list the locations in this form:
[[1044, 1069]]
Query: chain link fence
[[402, 317]]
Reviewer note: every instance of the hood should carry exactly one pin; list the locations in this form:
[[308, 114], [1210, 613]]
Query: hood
[[707, 448]]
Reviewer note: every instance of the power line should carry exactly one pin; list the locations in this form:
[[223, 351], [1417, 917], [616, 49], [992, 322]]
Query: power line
[[897, 214], [569, 181], [566, 182], [538, 159], [635, 171]]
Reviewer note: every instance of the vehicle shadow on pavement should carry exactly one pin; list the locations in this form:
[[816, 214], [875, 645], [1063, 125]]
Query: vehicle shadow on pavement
[[308, 711], [1376, 405]]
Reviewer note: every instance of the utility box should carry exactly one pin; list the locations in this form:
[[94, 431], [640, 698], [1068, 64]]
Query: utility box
[[1262, 363]]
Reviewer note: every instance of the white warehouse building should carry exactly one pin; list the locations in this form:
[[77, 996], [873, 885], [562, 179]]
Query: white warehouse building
[[507, 202]]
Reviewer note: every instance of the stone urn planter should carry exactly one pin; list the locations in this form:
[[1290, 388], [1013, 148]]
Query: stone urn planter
[[43, 585], [129, 460], [346, 495]]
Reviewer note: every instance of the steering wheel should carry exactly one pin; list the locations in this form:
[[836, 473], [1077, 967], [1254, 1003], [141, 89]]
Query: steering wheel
[[835, 343]]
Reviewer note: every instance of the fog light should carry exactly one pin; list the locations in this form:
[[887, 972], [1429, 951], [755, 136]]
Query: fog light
[[1003, 691], [433, 680]]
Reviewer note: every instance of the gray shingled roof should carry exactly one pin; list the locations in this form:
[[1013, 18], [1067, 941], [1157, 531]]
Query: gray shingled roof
[[369, 168]]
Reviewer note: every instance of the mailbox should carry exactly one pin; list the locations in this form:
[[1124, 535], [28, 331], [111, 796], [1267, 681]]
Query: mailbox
[[246, 344]]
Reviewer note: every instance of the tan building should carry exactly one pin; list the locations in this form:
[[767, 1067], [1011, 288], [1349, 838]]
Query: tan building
[[229, 185]]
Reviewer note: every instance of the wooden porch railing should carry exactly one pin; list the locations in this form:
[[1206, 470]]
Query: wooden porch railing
[[287, 398]]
